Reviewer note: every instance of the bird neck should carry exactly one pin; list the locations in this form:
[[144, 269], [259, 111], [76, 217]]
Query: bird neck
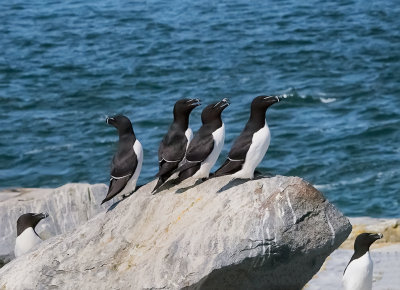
[[359, 252], [214, 124], [182, 121], [362, 249], [126, 140], [257, 117], [30, 231], [34, 230]]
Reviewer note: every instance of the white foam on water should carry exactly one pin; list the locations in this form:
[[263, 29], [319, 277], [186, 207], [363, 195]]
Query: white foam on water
[[327, 100], [285, 96]]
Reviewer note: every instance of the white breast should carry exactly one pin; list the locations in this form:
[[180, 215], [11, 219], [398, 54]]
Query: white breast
[[189, 136], [131, 185], [208, 163], [26, 242], [259, 146], [358, 275]]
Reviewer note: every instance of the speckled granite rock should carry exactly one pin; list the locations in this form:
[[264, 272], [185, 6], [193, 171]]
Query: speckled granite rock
[[69, 206], [270, 233]]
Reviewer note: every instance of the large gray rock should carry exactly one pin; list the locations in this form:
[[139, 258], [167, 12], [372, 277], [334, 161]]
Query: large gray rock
[[69, 206], [270, 233]]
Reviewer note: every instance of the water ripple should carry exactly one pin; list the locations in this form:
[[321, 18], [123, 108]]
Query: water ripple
[[65, 66]]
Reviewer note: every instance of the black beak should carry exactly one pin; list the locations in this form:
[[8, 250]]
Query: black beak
[[111, 121], [42, 215], [226, 101], [273, 99], [377, 236], [223, 103], [194, 102]]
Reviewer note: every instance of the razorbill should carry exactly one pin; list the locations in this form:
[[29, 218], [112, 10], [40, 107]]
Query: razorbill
[[250, 147], [206, 145], [127, 161], [358, 273], [27, 238], [173, 146]]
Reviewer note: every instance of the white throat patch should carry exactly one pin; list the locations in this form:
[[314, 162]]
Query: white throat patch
[[26, 242]]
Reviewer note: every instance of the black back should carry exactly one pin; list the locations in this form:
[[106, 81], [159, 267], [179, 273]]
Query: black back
[[125, 161], [256, 121], [239, 149], [173, 145], [362, 244], [29, 220], [172, 148], [203, 141]]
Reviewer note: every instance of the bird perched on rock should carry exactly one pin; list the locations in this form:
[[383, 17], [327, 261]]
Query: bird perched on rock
[[358, 273], [250, 147], [27, 238], [127, 161], [206, 145], [173, 146]]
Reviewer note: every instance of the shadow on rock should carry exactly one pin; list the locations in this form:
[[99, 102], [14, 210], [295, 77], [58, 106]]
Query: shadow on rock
[[239, 181], [114, 205], [233, 183], [183, 189], [278, 270], [166, 186]]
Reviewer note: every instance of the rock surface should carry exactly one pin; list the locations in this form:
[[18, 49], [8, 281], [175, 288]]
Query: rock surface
[[69, 206], [270, 233]]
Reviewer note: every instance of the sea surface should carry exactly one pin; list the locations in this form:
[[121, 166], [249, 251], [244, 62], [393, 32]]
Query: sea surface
[[66, 65]]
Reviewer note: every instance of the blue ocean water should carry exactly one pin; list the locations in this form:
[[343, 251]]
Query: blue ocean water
[[66, 65]]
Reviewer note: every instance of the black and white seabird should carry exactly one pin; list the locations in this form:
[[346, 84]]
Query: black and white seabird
[[127, 162], [27, 238], [173, 147], [206, 145], [358, 273], [250, 147]]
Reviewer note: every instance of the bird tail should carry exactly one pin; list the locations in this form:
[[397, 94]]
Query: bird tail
[[188, 172], [160, 182], [163, 178], [167, 168], [105, 200], [229, 167]]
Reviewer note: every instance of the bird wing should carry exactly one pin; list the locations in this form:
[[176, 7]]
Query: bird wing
[[199, 149], [124, 163], [123, 166], [116, 186], [229, 167], [237, 154], [172, 148], [166, 167], [241, 146], [170, 152]]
